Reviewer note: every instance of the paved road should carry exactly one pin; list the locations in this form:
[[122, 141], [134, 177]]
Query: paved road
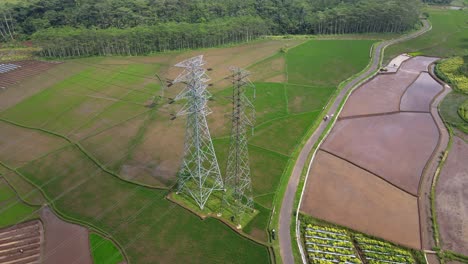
[[287, 205]]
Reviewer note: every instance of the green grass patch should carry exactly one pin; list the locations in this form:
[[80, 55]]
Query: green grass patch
[[326, 62], [270, 100], [115, 114], [106, 98], [273, 67], [448, 255], [111, 91], [266, 170], [103, 250], [214, 206], [463, 110], [449, 71], [112, 146], [25, 190], [449, 110], [12, 209], [303, 99], [16, 211], [446, 39], [149, 227], [415, 54], [5, 191], [257, 227], [17, 53], [283, 135]]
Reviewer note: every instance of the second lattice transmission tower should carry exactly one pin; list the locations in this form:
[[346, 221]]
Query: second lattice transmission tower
[[199, 175], [238, 182]]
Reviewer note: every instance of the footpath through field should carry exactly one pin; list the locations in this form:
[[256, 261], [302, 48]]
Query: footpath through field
[[286, 212]]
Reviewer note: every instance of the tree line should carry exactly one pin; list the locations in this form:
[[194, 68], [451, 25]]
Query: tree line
[[438, 2], [104, 21], [72, 42]]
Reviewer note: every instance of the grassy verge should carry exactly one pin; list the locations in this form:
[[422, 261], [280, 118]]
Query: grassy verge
[[449, 110], [446, 39], [103, 250], [17, 54], [435, 226], [215, 208], [12, 209]]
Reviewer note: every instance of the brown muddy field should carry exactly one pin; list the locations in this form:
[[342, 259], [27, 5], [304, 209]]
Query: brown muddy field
[[396, 146], [452, 199], [341, 193], [380, 95], [419, 95], [417, 64], [367, 173], [64, 242], [383, 93]]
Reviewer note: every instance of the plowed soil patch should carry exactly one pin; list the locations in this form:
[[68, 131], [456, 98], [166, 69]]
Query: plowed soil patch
[[395, 147], [21, 243], [452, 199], [64, 242], [341, 193], [27, 69]]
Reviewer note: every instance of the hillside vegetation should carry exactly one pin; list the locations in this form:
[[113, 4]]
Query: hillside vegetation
[[88, 27], [452, 71], [446, 39]]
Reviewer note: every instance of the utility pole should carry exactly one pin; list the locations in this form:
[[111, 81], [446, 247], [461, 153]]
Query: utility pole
[[199, 175], [238, 193]]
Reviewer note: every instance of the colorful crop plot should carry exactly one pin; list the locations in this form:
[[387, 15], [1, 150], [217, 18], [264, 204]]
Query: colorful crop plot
[[329, 245], [375, 251]]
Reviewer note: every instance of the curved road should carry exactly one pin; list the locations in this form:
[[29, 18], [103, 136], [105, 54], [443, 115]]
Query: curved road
[[285, 217]]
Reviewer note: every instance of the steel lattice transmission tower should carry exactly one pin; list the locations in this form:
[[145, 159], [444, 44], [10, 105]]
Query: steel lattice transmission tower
[[238, 182], [199, 175]]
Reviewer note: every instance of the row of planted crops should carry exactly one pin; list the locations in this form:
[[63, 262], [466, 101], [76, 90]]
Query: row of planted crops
[[326, 244]]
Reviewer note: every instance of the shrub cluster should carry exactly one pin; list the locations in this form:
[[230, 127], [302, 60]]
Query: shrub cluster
[[450, 71], [463, 111]]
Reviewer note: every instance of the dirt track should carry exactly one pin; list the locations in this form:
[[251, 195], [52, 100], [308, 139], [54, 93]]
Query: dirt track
[[64, 242], [452, 199]]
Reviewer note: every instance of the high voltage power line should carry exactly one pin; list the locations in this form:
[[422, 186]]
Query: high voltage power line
[[199, 175], [238, 183]]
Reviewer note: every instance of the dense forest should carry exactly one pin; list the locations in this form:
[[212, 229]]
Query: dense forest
[[99, 27]]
